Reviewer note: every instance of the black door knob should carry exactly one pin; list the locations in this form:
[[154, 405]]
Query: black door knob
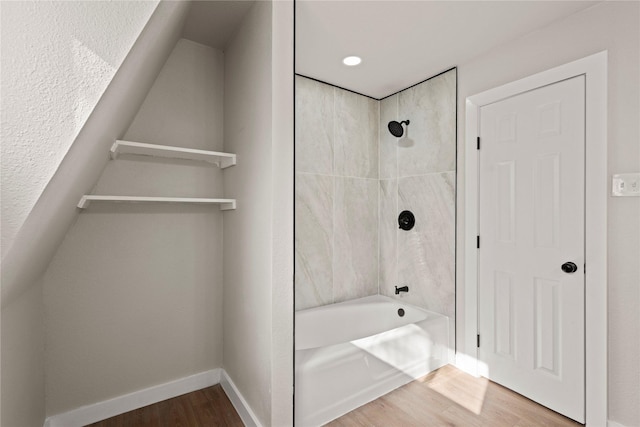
[[569, 267]]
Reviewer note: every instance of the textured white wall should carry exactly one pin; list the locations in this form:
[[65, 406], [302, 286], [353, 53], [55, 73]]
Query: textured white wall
[[54, 212], [57, 59], [614, 26], [145, 278]]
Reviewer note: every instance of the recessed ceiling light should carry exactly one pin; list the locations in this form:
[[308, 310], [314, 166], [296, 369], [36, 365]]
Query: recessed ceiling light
[[352, 60]]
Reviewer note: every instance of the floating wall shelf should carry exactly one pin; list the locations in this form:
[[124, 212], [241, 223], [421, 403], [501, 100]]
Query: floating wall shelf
[[223, 160], [225, 204]]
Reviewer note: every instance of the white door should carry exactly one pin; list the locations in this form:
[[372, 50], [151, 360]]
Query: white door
[[531, 222]]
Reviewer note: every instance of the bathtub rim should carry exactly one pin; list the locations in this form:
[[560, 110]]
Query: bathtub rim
[[360, 301]]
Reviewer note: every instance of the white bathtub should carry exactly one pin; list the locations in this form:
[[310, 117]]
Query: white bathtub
[[351, 353]]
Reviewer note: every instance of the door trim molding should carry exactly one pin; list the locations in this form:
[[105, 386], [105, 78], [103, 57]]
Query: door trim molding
[[594, 68]]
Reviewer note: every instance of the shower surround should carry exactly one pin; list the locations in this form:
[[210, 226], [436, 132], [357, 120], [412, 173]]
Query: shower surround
[[353, 178], [417, 173], [336, 194]]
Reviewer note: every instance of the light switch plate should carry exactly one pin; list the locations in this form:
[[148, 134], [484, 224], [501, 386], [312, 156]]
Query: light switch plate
[[625, 185]]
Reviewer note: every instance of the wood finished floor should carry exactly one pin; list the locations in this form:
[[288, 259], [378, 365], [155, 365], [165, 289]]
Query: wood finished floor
[[202, 408], [446, 397], [450, 397]]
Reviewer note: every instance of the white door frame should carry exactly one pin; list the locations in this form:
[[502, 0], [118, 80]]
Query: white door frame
[[594, 68]]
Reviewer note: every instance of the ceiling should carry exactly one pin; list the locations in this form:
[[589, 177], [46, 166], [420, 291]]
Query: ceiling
[[213, 22], [404, 42]]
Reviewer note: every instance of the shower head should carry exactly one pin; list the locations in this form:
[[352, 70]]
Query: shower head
[[396, 128]]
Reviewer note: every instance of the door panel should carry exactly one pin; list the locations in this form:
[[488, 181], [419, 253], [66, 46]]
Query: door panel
[[531, 221], [503, 315]]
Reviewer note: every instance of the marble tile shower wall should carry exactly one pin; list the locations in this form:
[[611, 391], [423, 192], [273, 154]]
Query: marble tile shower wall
[[336, 195], [352, 180], [417, 173]]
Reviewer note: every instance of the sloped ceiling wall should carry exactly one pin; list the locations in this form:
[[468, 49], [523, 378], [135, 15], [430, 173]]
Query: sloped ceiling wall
[[71, 83], [57, 60], [60, 120]]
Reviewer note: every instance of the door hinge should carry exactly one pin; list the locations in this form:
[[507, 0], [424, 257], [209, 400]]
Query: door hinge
[[478, 340], [478, 140], [478, 242]]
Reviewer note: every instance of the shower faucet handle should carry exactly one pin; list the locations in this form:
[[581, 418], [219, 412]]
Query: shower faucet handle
[[401, 289], [406, 220]]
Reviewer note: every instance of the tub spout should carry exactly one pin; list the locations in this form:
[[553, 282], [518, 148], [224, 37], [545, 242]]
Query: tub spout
[[402, 289]]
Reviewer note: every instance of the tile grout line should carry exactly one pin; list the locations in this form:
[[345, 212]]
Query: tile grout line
[[397, 194], [333, 210], [379, 195], [337, 176]]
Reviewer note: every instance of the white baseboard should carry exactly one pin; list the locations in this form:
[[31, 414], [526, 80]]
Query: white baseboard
[[242, 407], [128, 402], [466, 363]]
